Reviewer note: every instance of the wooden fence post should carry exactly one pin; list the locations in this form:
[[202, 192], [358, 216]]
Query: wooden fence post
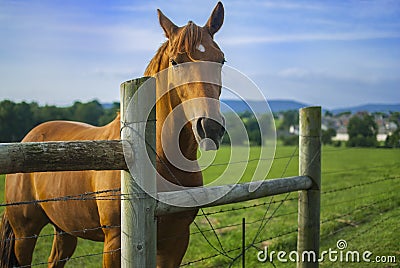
[[309, 200], [138, 222]]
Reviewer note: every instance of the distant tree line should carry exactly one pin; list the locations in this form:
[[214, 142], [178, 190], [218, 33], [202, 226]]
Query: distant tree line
[[17, 119]]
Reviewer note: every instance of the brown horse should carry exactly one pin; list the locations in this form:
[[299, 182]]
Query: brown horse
[[98, 219]]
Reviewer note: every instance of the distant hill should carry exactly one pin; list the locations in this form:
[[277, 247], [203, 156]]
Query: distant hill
[[259, 106], [372, 108], [284, 105]]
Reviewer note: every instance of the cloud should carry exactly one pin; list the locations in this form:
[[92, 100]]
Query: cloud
[[125, 38], [291, 5], [142, 7], [294, 72], [115, 73], [308, 37], [334, 76]]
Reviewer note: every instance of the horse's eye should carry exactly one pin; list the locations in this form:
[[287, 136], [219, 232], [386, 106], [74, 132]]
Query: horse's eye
[[174, 63]]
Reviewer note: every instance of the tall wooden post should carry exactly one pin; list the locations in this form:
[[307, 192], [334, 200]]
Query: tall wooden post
[[309, 200], [138, 132]]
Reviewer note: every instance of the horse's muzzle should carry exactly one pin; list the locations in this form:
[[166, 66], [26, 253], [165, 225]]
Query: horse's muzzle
[[209, 133]]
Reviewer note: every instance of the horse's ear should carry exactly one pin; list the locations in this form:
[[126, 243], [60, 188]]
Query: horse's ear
[[167, 25], [216, 19]]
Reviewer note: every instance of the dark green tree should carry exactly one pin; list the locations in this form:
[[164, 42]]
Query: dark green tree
[[362, 131], [109, 114], [395, 118], [327, 135], [24, 118], [393, 140], [290, 118], [7, 121], [89, 112], [16, 120]]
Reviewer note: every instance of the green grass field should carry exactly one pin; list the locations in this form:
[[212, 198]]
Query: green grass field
[[360, 204]]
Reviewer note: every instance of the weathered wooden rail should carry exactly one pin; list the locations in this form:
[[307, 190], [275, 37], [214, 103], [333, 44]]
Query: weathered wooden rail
[[138, 225], [234, 193], [61, 156]]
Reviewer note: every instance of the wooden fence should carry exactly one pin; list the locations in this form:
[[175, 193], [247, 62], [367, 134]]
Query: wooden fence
[[138, 215]]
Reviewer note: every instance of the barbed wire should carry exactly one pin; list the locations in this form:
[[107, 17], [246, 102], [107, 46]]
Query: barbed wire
[[354, 210], [366, 215], [238, 248], [78, 197], [360, 197], [91, 195], [350, 213], [83, 197], [84, 230], [249, 206], [324, 221], [295, 211], [296, 198], [359, 185], [208, 257], [360, 168], [264, 223], [61, 233], [114, 194], [265, 219], [71, 258], [292, 231], [271, 158]]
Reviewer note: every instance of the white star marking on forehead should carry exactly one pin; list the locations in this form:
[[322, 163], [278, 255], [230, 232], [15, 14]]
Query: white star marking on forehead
[[201, 48]]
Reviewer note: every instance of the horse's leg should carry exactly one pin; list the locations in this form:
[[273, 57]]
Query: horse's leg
[[63, 247], [110, 218], [173, 238], [26, 230], [172, 250], [112, 248]]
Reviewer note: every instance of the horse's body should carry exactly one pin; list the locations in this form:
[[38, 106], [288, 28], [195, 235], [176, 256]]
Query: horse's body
[[98, 220]]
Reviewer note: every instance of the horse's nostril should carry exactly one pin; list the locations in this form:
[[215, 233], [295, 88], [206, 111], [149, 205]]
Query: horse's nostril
[[209, 128]]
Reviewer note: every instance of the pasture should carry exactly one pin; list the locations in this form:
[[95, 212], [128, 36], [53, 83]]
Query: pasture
[[359, 203]]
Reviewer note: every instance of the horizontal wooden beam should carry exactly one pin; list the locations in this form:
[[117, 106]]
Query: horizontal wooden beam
[[61, 156], [234, 193]]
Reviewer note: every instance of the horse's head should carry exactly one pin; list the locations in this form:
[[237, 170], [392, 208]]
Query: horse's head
[[196, 88]]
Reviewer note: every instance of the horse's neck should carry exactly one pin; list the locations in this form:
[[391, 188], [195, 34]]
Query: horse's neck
[[164, 107], [187, 141], [159, 62]]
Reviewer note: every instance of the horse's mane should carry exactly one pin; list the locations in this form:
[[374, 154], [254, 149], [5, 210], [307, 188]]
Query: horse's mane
[[188, 38]]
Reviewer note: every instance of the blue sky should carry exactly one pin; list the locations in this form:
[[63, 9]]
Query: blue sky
[[329, 53]]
